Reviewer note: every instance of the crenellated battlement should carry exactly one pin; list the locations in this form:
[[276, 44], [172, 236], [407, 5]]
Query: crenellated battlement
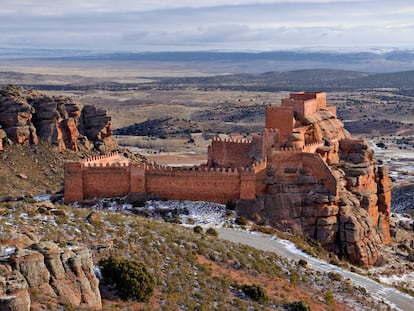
[[115, 164], [291, 149], [108, 156], [231, 140], [259, 166], [313, 146]]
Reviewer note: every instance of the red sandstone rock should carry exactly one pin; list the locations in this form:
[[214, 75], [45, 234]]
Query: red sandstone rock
[[25, 115], [52, 271], [15, 117], [56, 119], [97, 126], [3, 137]]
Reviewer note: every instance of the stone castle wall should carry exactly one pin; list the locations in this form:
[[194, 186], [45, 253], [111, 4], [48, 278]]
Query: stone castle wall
[[229, 153], [98, 178]]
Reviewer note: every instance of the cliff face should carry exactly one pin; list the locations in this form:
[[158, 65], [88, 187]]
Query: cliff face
[[338, 195], [16, 117], [27, 115], [48, 271]]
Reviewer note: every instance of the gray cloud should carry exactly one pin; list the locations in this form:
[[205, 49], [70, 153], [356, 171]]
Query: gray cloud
[[205, 24]]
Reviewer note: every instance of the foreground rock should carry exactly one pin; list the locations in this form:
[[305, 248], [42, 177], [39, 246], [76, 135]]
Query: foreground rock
[[44, 271]]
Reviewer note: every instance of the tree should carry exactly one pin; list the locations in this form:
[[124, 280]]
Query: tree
[[132, 279]]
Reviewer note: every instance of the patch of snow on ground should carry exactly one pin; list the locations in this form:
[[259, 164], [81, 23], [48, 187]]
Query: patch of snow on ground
[[43, 197], [407, 280], [97, 272], [192, 212], [7, 251]]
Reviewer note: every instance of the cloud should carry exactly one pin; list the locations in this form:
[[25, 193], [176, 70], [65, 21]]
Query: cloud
[[205, 24]]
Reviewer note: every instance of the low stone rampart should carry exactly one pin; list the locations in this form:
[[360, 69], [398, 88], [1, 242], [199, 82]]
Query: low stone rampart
[[89, 179]]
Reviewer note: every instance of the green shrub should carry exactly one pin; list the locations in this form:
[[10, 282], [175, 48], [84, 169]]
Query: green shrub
[[230, 205], [335, 276], [212, 232], [198, 229], [132, 279], [241, 221], [297, 306], [329, 297], [255, 292], [294, 278]]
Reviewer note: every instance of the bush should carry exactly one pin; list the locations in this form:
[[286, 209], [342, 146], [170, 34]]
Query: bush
[[294, 278], [241, 221], [212, 232], [230, 205], [335, 276], [198, 229], [303, 263], [329, 297], [132, 279], [297, 306], [255, 292]]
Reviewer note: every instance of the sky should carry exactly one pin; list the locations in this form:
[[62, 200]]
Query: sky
[[224, 25]]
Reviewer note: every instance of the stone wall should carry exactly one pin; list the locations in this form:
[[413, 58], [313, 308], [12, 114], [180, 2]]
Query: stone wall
[[229, 153], [280, 118], [90, 179]]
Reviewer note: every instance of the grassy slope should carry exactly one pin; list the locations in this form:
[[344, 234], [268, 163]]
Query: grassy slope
[[42, 166], [193, 271]]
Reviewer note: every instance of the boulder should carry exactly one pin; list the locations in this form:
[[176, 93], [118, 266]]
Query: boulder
[[55, 272]]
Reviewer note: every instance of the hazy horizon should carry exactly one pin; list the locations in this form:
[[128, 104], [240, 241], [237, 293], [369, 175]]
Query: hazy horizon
[[213, 25]]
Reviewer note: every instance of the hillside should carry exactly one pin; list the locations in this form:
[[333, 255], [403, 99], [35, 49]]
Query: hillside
[[193, 270]]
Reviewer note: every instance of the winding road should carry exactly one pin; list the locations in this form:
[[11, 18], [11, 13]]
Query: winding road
[[391, 296]]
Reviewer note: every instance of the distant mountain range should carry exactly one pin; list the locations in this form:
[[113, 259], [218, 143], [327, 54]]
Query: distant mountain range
[[306, 80], [237, 62]]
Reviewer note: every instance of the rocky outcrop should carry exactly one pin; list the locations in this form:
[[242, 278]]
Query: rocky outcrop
[[339, 195], [56, 119], [27, 115], [16, 116], [14, 291], [97, 126], [3, 137], [51, 273]]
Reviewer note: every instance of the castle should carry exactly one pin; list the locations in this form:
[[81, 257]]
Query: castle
[[235, 168], [304, 170]]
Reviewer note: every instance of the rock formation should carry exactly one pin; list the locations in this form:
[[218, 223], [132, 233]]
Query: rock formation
[[27, 115], [56, 119], [16, 116], [348, 214], [48, 271], [3, 138], [97, 126]]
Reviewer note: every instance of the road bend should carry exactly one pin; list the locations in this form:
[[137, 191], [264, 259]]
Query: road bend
[[287, 249]]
